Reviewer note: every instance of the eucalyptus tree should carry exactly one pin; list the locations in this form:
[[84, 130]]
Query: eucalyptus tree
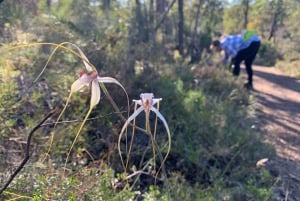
[[277, 17], [245, 7]]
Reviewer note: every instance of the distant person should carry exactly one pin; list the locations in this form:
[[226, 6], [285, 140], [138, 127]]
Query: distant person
[[238, 48]]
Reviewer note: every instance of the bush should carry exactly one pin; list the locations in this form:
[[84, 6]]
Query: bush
[[267, 54], [215, 143]]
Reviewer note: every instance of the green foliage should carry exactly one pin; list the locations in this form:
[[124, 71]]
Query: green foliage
[[212, 119], [90, 183], [212, 129], [9, 86], [255, 186], [267, 54], [233, 19], [293, 14]]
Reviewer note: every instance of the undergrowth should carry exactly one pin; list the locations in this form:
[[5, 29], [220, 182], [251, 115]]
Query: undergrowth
[[215, 140]]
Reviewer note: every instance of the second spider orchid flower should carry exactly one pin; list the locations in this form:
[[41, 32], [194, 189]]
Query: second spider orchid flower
[[147, 103]]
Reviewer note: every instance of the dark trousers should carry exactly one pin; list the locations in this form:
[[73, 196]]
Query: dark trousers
[[248, 55]]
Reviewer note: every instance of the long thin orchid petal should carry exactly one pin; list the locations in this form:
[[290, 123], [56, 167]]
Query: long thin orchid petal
[[131, 140], [78, 84], [133, 116], [88, 66], [61, 45], [110, 80], [169, 135], [95, 93], [161, 118], [76, 136], [58, 118], [85, 60], [107, 80], [48, 61]]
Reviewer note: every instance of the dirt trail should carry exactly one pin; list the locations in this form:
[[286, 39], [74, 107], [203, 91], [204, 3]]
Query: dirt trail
[[278, 98]]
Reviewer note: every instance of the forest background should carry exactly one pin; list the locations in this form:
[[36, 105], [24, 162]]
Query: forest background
[[150, 46]]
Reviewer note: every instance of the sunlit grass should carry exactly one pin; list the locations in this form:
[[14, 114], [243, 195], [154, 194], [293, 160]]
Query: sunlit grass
[[291, 68]]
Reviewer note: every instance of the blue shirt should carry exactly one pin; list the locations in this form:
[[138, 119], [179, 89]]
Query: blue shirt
[[247, 43], [231, 45]]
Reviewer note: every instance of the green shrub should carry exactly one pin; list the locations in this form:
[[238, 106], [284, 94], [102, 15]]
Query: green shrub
[[267, 54], [214, 141]]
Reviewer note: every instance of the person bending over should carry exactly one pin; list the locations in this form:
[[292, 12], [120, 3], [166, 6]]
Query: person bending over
[[241, 47]]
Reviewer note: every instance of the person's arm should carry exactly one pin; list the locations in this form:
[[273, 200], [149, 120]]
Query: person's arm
[[223, 61]]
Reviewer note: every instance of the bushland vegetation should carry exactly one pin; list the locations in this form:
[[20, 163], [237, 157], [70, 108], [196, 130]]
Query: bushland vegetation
[[200, 141]]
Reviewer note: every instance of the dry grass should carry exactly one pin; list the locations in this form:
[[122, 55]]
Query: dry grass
[[291, 68]]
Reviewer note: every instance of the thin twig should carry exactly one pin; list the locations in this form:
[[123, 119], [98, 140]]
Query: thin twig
[[27, 154]]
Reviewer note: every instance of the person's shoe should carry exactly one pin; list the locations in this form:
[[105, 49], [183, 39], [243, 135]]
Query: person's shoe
[[248, 86]]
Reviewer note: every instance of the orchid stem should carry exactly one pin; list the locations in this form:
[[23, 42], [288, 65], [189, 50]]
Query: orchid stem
[[58, 118], [131, 141], [77, 134]]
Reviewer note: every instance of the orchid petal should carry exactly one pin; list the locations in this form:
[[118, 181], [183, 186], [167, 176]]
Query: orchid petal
[[133, 116], [147, 96], [95, 93], [110, 80], [84, 59], [161, 118], [139, 102], [87, 65], [107, 80], [156, 100], [147, 99], [78, 84], [168, 132]]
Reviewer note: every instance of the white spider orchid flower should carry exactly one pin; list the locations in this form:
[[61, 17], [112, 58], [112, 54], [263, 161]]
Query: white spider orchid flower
[[88, 78], [147, 103]]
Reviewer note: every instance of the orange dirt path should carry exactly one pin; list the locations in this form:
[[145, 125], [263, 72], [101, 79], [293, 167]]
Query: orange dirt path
[[278, 99]]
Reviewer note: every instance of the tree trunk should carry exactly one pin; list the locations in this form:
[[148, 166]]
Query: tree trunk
[[105, 4], [161, 6], [48, 3], [164, 15], [246, 11], [277, 14], [180, 26], [193, 49]]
